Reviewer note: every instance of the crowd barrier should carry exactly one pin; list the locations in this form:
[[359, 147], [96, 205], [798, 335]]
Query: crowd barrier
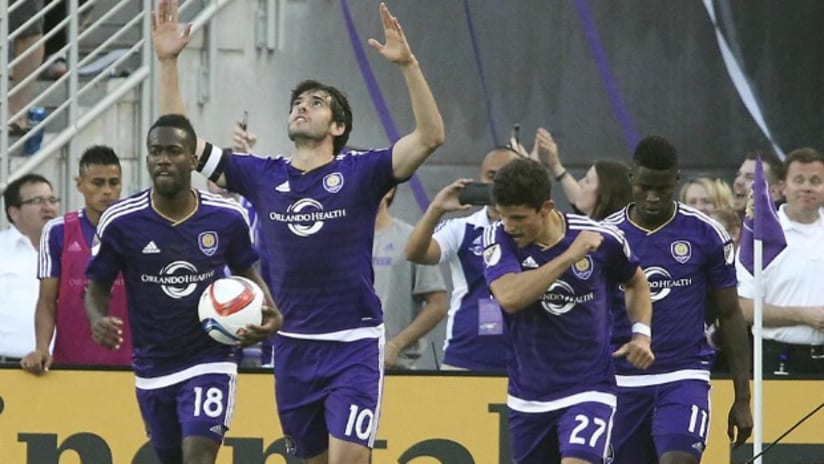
[[91, 417]]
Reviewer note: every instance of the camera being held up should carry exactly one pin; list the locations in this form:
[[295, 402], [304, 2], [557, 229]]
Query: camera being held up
[[475, 193]]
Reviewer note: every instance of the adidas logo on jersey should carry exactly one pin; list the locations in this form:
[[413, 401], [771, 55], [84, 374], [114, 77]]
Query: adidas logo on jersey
[[218, 429], [284, 187], [530, 263], [150, 248], [698, 446], [75, 246]]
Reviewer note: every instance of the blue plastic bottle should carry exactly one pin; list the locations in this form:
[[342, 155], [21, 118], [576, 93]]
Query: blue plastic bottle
[[36, 115]]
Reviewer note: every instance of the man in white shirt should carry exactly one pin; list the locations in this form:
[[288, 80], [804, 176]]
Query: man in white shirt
[[793, 301], [30, 203]]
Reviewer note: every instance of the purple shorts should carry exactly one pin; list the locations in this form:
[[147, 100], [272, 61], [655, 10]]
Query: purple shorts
[[327, 388], [201, 406], [657, 419], [580, 431]]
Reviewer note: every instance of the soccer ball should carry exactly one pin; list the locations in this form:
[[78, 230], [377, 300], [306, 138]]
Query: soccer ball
[[228, 305]]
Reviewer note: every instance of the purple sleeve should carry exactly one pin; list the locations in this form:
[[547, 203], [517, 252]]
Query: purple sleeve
[[107, 256], [720, 260], [48, 263], [243, 173], [622, 262], [377, 165], [499, 255], [240, 254]]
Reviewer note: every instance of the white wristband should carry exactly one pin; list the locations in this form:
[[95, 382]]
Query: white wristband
[[641, 329]]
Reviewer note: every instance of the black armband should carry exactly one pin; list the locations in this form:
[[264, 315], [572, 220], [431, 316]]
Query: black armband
[[212, 162]]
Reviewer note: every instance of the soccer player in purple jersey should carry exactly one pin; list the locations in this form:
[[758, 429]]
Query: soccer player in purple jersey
[[688, 258], [317, 209], [170, 242], [552, 273]]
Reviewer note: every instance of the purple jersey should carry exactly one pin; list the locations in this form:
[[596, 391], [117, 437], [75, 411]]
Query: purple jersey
[[51, 249], [683, 260], [318, 227], [560, 344], [166, 266]]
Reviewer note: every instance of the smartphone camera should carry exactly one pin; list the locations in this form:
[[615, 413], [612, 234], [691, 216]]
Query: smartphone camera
[[475, 193]]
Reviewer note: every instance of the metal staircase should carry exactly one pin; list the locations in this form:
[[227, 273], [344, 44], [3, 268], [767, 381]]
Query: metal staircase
[[109, 60]]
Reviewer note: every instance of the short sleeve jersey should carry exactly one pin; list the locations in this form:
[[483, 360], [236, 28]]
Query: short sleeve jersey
[[683, 259], [560, 343], [318, 227], [166, 266]]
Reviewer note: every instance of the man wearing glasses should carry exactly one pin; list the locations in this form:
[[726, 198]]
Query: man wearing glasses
[[30, 203]]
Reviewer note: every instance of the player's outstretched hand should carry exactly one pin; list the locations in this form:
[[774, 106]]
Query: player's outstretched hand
[[395, 47], [272, 322], [37, 362], [168, 42], [637, 351], [739, 418], [108, 332]]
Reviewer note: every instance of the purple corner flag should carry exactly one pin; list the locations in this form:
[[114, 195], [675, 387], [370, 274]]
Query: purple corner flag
[[765, 226]]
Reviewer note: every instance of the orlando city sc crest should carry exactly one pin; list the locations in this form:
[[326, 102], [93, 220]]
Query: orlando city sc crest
[[583, 268], [207, 242], [681, 250], [333, 182]]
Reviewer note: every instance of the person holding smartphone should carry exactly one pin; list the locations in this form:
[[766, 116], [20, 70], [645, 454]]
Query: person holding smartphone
[[475, 338]]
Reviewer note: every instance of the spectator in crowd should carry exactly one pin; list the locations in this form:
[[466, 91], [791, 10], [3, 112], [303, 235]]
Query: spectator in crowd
[[742, 185], [731, 222], [413, 296], [793, 310], [28, 49], [475, 337], [603, 190], [707, 195], [553, 275], [688, 259], [64, 252], [30, 203], [320, 204], [171, 242]]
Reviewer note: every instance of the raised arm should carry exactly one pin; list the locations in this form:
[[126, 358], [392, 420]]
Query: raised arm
[[545, 150], [168, 43], [412, 149], [733, 331], [422, 248]]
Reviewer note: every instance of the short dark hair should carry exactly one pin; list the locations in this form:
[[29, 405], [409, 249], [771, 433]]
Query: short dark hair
[[341, 110], [801, 155], [777, 167], [614, 188], [178, 121], [522, 182], [655, 152], [11, 195], [99, 155]]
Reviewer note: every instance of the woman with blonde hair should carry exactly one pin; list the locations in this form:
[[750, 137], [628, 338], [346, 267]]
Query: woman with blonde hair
[[707, 195]]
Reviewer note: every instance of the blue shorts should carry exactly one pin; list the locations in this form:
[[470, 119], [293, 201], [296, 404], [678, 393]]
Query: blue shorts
[[200, 406], [327, 388], [580, 431], [657, 419]]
